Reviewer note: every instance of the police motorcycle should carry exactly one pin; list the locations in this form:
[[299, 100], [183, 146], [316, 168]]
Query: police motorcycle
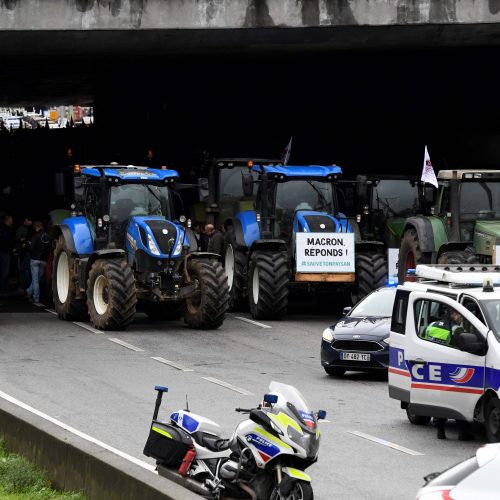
[[264, 459]]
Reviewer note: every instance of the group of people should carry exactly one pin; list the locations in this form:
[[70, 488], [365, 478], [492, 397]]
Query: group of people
[[27, 246]]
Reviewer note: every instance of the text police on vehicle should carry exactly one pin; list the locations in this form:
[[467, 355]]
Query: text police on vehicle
[[445, 345]]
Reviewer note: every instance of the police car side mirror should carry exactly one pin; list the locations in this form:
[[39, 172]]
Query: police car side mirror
[[469, 342], [346, 310]]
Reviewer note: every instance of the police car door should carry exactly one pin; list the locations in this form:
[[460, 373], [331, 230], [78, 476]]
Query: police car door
[[445, 381]]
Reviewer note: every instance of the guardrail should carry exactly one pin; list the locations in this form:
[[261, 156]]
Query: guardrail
[[76, 464]]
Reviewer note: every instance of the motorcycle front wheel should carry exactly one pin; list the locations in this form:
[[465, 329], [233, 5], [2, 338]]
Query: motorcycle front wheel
[[301, 490]]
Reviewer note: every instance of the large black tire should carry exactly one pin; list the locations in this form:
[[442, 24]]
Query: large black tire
[[111, 294], [467, 256], [296, 490], [163, 310], [64, 284], [268, 284], [207, 309], [417, 419], [371, 273], [410, 254], [234, 267], [492, 420]]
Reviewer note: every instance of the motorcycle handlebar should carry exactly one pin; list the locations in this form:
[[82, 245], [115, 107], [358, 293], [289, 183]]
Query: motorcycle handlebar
[[243, 410]]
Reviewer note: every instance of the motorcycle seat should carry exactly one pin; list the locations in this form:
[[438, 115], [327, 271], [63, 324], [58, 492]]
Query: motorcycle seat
[[213, 443]]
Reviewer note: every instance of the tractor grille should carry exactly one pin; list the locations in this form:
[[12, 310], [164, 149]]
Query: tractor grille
[[356, 345], [315, 221], [157, 226]]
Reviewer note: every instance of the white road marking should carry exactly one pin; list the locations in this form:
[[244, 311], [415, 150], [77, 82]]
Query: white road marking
[[87, 327], [246, 320], [127, 345], [386, 443], [51, 311], [76, 432], [172, 364], [227, 386]]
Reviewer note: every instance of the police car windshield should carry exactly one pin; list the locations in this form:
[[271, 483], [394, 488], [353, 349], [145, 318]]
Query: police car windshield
[[492, 308], [378, 303]]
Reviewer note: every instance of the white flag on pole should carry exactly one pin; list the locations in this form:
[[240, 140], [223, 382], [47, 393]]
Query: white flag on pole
[[428, 174], [286, 154]]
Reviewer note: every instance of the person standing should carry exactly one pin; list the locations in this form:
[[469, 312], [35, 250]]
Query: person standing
[[6, 247], [23, 237], [39, 250], [216, 243]]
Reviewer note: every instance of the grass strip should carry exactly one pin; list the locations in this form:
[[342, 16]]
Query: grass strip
[[21, 480]]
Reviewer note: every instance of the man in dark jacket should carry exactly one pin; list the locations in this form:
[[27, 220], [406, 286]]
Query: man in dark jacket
[[39, 250], [216, 243], [6, 247]]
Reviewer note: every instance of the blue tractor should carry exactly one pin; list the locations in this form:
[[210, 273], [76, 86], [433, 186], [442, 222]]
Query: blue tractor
[[295, 235], [120, 250]]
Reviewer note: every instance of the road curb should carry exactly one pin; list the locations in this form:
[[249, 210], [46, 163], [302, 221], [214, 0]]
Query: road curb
[[75, 464]]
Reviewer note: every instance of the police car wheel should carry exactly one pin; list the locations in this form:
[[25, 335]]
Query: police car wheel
[[492, 421], [417, 419]]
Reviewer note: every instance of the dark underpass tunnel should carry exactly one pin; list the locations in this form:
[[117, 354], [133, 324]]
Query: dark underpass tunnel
[[365, 111]]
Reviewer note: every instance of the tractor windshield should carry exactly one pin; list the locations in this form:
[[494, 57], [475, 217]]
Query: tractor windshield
[[231, 197], [296, 195], [480, 199], [396, 197], [128, 200]]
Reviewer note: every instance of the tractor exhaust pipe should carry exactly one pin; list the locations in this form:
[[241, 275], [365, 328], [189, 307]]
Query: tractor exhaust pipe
[[455, 207]]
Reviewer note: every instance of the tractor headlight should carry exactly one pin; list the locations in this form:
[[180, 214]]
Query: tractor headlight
[[153, 248], [178, 247]]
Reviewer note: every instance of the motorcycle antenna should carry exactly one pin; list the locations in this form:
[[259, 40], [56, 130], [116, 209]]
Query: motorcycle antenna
[[187, 404]]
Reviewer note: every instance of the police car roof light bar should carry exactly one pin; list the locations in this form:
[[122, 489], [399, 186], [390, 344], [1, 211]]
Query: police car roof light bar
[[473, 275]]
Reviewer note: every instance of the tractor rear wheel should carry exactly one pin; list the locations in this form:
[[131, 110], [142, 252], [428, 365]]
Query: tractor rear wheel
[[467, 256], [67, 306], [111, 294], [371, 273], [234, 266], [168, 311], [206, 309], [410, 254], [268, 284]]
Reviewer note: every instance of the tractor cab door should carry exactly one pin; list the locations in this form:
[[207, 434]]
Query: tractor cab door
[[93, 207]]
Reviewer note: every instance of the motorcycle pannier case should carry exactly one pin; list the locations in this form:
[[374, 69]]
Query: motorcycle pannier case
[[167, 444]]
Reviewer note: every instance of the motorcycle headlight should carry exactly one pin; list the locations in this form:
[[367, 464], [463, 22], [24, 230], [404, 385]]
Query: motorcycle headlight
[[152, 246], [328, 334]]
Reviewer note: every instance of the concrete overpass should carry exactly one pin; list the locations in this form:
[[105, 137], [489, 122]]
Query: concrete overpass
[[363, 83]]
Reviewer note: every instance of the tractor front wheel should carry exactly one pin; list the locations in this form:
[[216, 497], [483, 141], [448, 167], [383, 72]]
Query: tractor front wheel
[[111, 294], [206, 309], [67, 306], [371, 272], [234, 266], [268, 285], [410, 254]]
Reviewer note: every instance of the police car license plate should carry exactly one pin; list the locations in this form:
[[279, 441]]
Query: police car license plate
[[354, 356]]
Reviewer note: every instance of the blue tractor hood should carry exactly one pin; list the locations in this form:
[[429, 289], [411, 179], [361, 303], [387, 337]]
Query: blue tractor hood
[[156, 236], [281, 172], [310, 221], [131, 173]]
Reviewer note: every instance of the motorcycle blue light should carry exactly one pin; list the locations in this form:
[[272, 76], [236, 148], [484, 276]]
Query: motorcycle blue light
[[321, 414], [391, 283], [270, 398], [161, 388]]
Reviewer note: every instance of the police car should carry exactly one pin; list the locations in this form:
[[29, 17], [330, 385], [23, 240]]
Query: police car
[[455, 374]]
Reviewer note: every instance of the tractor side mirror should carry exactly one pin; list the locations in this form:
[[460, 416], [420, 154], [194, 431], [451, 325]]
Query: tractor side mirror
[[361, 187], [247, 184], [429, 193], [203, 190]]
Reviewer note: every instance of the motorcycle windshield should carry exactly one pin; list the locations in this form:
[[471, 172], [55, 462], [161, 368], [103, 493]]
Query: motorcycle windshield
[[291, 402]]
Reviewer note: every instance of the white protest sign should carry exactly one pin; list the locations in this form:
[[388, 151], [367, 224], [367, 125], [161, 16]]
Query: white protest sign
[[325, 252]]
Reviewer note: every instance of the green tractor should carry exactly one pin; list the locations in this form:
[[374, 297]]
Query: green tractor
[[462, 228]]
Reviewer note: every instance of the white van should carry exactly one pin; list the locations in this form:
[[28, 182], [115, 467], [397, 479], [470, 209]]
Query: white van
[[450, 376]]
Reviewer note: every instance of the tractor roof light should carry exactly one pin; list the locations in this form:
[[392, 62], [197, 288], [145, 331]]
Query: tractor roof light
[[249, 164], [77, 169], [164, 167]]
